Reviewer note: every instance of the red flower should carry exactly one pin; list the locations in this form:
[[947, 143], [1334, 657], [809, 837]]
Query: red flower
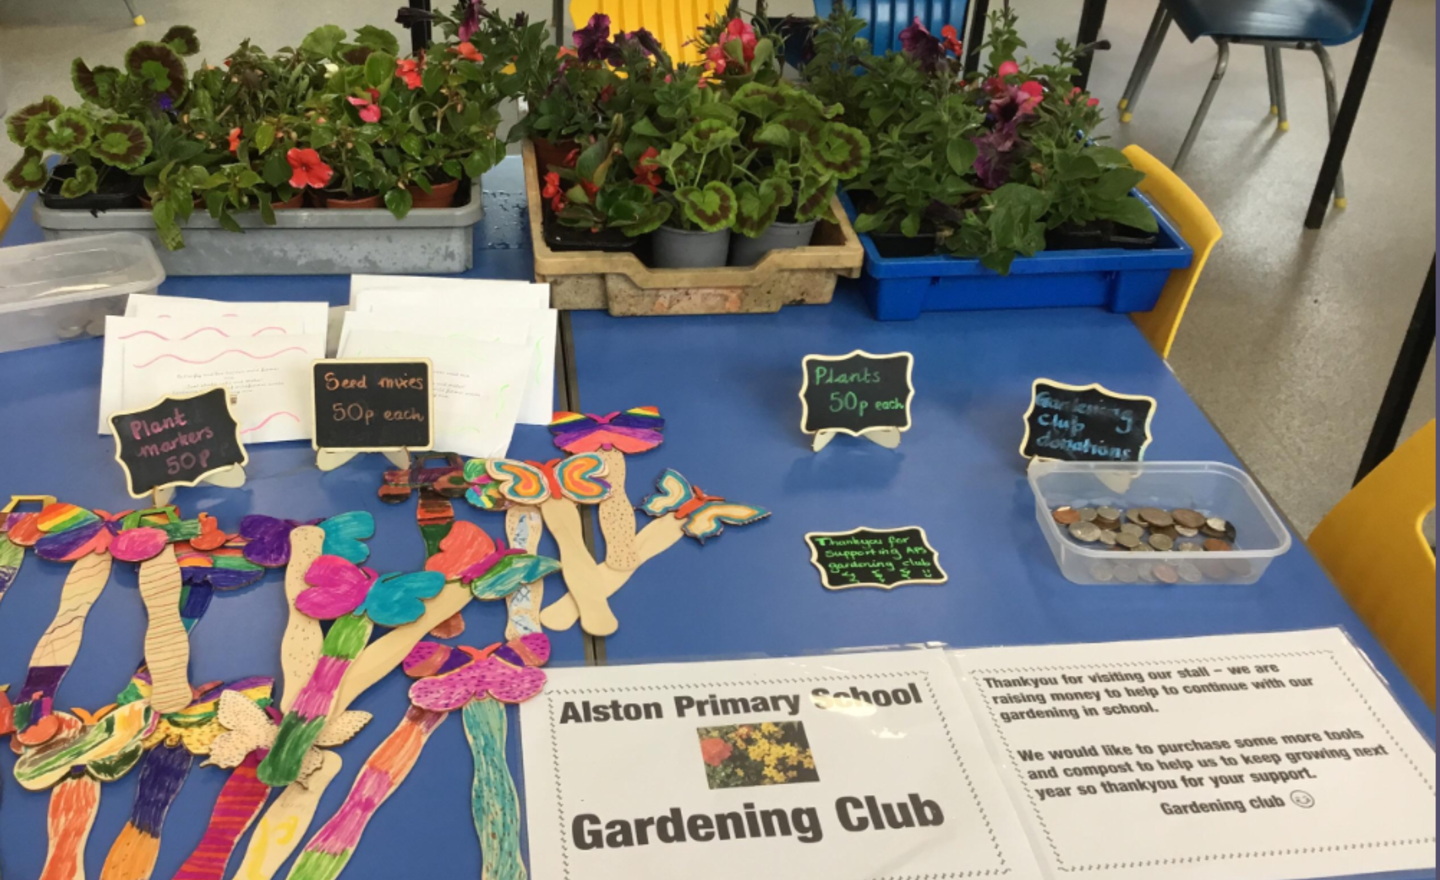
[[408, 69], [952, 39], [1093, 102], [369, 107], [1008, 68], [715, 750], [647, 169], [1033, 93], [308, 169], [234, 139], [467, 51], [590, 188], [739, 30], [606, 94], [553, 192], [571, 158], [715, 59]]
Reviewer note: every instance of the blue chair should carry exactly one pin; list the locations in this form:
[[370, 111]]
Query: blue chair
[[1271, 24], [887, 18]]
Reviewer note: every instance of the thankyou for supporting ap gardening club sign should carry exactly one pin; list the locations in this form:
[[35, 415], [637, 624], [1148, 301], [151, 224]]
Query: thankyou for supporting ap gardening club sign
[[1085, 423], [764, 768]]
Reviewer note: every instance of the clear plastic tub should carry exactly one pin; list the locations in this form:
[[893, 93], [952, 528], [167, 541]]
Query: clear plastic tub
[[60, 290], [1208, 486]]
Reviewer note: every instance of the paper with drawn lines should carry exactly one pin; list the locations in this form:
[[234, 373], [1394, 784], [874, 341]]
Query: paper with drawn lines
[[478, 385]]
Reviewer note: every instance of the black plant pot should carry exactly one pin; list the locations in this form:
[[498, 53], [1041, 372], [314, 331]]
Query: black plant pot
[[116, 190], [1099, 234], [892, 245], [560, 237]]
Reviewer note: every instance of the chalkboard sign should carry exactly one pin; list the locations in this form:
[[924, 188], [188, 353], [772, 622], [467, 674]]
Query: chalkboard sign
[[884, 558], [373, 405], [177, 441], [858, 393], [1085, 423]]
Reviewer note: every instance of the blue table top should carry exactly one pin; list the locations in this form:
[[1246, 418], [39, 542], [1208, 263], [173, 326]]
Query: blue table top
[[47, 431], [728, 387]]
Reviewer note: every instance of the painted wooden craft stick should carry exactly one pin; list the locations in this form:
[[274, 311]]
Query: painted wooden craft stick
[[316, 701], [300, 647], [56, 650], [327, 853], [73, 805], [524, 527], [388, 651], [657, 537], [578, 568], [493, 801], [283, 826], [11, 555], [162, 773], [236, 807], [167, 644], [617, 516]]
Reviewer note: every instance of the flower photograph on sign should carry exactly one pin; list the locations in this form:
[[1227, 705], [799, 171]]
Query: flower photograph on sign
[[742, 755]]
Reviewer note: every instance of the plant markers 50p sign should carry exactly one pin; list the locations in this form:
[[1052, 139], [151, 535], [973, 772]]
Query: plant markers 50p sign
[[864, 765]]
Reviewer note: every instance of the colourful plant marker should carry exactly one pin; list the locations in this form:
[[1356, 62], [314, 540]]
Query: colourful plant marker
[[281, 828], [236, 807], [613, 436], [524, 526], [12, 553], [73, 805]]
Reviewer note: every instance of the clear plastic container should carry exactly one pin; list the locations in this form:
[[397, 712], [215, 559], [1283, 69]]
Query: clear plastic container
[[60, 290], [1209, 486]]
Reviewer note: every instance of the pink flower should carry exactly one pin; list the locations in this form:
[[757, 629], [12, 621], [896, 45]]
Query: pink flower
[[715, 750], [1033, 92], [715, 59], [307, 169], [1008, 68], [467, 51], [408, 69], [1093, 102], [739, 30], [369, 107]]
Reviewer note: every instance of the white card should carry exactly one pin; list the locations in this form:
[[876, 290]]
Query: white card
[[477, 387], [437, 296], [1252, 757], [121, 330], [312, 315], [534, 329], [761, 768], [268, 377]]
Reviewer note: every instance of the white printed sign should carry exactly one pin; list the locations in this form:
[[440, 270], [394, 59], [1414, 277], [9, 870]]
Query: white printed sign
[[1254, 757], [845, 766]]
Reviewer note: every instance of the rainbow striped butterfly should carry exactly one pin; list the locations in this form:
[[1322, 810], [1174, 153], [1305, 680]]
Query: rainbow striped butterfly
[[577, 478], [635, 430], [705, 516], [505, 671], [339, 587]]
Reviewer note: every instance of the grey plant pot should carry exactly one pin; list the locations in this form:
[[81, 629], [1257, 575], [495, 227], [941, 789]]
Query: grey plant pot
[[673, 248], [747, 251]]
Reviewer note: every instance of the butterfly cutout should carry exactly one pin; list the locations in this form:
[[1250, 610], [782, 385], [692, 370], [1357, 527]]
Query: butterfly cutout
[[577, 478], [65, 532], [339, 587], [106, 749], [705, 516], [491, 571], [197, 726], [224, 568], [481, 489], [505, 671], [248, 726], [399, 483], [634, 430], [267, 539]]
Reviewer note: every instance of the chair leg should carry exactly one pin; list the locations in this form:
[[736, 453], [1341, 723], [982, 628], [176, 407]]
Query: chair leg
[[1222, 61], [1145, 62], [136, 18], [1331, 104], [1140, 58], [1279, 87], [1270, 80]]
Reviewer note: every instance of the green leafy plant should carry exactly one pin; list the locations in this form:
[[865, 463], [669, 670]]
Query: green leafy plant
[[598, 192]]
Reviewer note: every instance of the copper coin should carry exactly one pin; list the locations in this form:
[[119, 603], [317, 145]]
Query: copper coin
[[1157, 517], [1085, 531], [1162, 542], [1190, 519], [1087, 514], [1166, 573], [1216, 545], [1065, 515]]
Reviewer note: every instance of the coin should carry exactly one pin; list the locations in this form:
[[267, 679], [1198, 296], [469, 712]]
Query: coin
[[1127, 539], [1085, 531], [1238, 566], [1133, 514], [1216, 545], [1157, 517], [1103, 572], [1147, 576], [1190, 519], [1167, 531], [1107, 512], [1189, 547], [1110, 524], [1087, 514], [1125, 573], [1185, 531], [1140, 548], [1162, 542], [1166, 573], [1065, 515], [1214, 569], [1107, 537], [1188, 572], [1216, 524], [1132, 530]]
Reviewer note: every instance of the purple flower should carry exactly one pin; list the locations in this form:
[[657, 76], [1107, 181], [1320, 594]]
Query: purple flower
[[409, 16], [992, 162], [922, 46], [592, 42], [648, 44], [522, 20], [470, 21], [164, 102]]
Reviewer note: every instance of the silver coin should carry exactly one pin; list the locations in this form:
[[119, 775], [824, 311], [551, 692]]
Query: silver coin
[[1157, 517], [1125, 573], [1087, 514], [1133, 514], [1140, 548], [1107, 512], [1189, 547], [1133, 530], [1216, 524], [1162, 542], [1127, 539], [1085, 531], [1184, 532], [1103, 572], [1107, 537], [1188, 572]]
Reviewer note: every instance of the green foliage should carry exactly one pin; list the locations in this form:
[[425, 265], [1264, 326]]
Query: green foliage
[[28, 172], [710, 208]]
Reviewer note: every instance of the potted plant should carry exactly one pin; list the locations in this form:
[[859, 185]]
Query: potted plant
[[598, 205]]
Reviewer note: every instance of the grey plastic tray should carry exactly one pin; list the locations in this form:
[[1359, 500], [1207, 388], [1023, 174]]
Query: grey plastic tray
[[303, 241]]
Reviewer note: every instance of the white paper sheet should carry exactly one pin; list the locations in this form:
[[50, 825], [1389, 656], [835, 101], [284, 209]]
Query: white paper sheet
[[477, 387], [592, 784], [438, 295], [268, 376], [121, 330], [534, 329], [312, 315], [1253, 757]]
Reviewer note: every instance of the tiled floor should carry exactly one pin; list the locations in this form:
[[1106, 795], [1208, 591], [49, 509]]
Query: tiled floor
[[1292, 334]]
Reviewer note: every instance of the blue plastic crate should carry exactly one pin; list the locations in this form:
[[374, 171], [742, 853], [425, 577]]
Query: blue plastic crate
[[900, 288]]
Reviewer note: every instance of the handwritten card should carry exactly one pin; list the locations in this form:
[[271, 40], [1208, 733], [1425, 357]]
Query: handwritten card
[[884, 558], [1085, 423]]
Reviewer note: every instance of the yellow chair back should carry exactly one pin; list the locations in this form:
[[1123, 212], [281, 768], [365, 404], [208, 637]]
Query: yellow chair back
[[673, 22], [5, 216], [1374, 548], [1199, 229]]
